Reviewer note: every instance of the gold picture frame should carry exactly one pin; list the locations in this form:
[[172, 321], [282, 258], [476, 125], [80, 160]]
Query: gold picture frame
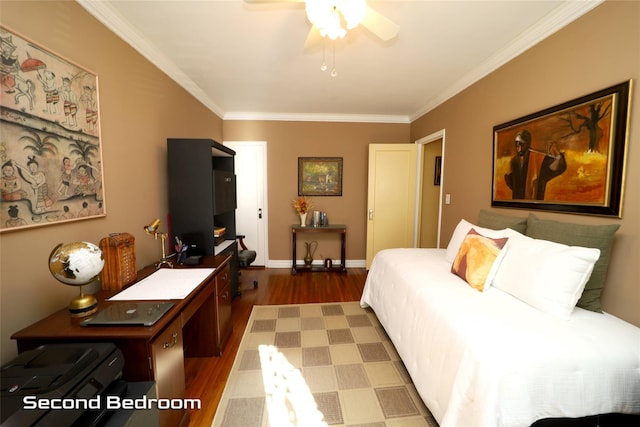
[[567, 158], [50, 146], [320, 176]]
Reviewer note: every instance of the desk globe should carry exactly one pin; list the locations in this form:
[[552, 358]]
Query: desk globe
[[77, 264]]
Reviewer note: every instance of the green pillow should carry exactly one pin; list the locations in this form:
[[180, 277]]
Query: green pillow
[[589, 236], [494, 221]]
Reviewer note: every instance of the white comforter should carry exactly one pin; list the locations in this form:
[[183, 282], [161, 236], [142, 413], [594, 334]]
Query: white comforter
[[488, 359]]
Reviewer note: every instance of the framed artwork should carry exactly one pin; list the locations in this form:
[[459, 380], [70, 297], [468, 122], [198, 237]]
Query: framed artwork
[[320, 176], [437, 170], [567, 158], [50, 147]]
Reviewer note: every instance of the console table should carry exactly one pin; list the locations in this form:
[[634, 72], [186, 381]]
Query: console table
[[337, 228], [197, 326]]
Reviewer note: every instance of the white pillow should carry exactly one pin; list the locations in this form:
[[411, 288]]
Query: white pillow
[[546, 275], [461, 231]]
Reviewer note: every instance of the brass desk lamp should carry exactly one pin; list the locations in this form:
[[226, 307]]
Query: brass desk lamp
[[152, 229]]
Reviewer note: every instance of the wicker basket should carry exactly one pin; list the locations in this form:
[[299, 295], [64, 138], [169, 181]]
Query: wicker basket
[[119, 251]]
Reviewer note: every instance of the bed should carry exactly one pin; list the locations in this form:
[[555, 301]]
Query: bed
[[497, 357]]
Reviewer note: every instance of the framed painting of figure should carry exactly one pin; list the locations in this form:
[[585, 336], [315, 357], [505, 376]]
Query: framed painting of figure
[[567, 158], [50, 150]]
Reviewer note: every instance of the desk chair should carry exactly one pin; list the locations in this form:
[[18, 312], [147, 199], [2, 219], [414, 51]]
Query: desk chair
[[245, 256]]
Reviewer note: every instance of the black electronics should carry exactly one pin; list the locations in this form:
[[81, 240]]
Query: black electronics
[[193, 260], [60, 384], [195, 244]]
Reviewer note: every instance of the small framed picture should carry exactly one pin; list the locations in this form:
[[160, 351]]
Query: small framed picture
[[320, 176], [437, 171]]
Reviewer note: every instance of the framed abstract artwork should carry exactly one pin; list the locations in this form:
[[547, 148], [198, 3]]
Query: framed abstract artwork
[[320, 176], [567, 158], [50, 146]]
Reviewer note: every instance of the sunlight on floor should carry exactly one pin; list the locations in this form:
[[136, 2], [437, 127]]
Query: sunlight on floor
[[289, 399]]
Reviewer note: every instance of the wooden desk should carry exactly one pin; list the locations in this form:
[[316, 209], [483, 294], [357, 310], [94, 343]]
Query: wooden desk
[[197, 326], [337, 228]]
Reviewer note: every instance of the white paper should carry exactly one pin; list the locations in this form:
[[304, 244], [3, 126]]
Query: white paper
[[165, 284]]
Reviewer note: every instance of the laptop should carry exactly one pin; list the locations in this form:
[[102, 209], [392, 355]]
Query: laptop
[[123, 313]]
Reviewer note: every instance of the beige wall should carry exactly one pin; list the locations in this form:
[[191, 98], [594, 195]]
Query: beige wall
[[286, 141], [597, 51], [140, 107]]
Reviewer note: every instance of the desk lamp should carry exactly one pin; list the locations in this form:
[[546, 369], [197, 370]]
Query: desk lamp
[[152, 230]]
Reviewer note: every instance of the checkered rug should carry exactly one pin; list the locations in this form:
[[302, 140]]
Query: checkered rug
[[313, 365]]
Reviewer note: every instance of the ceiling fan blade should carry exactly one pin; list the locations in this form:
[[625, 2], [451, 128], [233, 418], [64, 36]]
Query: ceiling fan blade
[[314, 39], [379, 25]]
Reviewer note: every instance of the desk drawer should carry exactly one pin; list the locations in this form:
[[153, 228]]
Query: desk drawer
[[168, 369], [223, 325]]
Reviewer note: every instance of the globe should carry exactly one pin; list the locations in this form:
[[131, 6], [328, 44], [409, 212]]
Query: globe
[[77, 264]]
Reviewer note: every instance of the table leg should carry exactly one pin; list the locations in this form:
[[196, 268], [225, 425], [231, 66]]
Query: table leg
[[293, 251], [343, 251]]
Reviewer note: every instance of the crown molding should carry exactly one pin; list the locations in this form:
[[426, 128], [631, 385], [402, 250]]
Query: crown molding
[[556, 20], [307, 117], [110, 18], [559, 18]]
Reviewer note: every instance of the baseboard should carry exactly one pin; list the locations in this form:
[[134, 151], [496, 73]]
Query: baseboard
[[354, 263]]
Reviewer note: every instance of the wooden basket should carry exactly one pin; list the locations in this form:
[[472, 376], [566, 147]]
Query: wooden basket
[[119, 251]]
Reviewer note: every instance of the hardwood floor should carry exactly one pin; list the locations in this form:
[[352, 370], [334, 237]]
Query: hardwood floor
[[206, 377]]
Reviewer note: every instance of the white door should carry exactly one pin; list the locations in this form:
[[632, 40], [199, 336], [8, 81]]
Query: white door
[[251, 189], [391, 201]]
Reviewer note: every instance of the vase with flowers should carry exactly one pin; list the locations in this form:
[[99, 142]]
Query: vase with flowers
[[302, 206]]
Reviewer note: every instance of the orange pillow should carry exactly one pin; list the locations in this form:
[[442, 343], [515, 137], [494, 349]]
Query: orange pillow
[[475, 259]]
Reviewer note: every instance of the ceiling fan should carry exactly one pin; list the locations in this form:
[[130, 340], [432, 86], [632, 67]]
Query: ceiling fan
[[332, 19]]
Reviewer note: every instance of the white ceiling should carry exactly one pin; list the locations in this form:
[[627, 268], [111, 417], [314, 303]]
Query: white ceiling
[[247, 61]]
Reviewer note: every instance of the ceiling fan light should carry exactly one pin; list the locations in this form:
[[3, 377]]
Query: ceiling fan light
[[333, 33], [353, 11], [332, 27], [317, 11], [328, 16]]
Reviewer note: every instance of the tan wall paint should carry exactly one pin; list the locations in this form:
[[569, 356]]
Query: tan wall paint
[[597, 51], [140, 107], [286, 141]]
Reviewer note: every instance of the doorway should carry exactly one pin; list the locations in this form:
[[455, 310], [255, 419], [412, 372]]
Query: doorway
[[430, 184], [250, 164]]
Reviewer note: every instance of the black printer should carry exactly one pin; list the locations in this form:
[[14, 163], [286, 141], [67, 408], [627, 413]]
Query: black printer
[[61, 385]]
